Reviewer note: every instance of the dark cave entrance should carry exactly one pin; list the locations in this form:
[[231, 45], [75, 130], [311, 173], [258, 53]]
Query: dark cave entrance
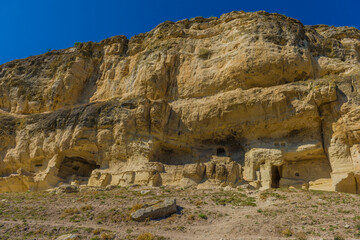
[[76, 166], [220, 152], [275, 176]]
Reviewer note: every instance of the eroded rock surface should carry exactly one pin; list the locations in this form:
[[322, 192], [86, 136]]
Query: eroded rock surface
[[247, 97]]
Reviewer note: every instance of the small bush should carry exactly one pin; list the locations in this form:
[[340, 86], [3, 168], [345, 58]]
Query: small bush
[[287, 232], [107, 236], [181, 228], [87, 208], [136, 207], [69, 212], [145, 236], [97, 231], [203, 216]]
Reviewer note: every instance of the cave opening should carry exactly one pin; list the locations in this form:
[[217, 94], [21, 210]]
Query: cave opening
[[275, 176], [220, 152], [76, 166]]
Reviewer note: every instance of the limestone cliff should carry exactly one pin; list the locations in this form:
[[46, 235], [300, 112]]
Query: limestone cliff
[[247, 97]]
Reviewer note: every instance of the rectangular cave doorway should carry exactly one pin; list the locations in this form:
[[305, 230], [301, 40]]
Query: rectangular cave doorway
[[276, 176], [77, 166]]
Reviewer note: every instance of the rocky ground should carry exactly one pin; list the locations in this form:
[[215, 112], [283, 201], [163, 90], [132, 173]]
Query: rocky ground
[[95, 213]]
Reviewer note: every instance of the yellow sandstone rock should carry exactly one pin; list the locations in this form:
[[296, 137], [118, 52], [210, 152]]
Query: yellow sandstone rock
[[247, 97]]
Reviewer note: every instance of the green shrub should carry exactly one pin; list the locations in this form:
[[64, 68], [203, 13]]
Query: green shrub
[[203, 216]]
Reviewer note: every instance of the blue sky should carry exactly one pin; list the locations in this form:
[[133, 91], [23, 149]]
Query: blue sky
[[30, 27]]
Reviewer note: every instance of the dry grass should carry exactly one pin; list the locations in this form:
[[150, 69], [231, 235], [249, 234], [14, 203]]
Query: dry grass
[[96, 214], [145, 236]]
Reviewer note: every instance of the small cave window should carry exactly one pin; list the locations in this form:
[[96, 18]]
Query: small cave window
[[220, 152], [76, 166], [297, 174], [38, 165]]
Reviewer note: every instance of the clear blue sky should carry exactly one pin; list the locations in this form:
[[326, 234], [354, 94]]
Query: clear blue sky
[[30, 27]]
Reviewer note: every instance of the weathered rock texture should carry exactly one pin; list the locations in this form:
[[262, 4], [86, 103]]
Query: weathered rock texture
[[247, 97]]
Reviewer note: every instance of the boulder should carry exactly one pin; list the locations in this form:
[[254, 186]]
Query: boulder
[[67, 188], [158, 210], [69, 237]]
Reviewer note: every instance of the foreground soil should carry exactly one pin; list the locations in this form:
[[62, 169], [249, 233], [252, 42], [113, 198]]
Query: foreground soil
[[202, 214]]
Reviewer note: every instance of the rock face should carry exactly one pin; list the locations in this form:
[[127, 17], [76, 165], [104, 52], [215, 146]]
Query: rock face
[[247, 97]]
